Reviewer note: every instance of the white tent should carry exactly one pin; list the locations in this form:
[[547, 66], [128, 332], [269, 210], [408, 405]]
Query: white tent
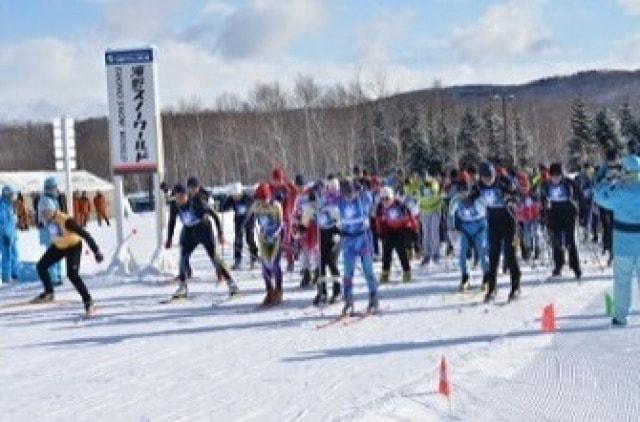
[[33, 181]]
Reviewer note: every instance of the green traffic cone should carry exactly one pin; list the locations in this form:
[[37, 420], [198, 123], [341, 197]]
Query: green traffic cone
[[608, 304]]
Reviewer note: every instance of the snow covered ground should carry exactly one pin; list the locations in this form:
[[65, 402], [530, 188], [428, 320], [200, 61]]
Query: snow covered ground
[[190, 361]]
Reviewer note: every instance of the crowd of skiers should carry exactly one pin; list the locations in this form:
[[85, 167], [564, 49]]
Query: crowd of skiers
[[485, 212]]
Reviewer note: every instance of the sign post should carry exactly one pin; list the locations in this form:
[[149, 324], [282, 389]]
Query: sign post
[[135, 128]]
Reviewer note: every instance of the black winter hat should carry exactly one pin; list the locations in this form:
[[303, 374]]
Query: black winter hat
[[192, 182], [555, 169], [299, 180], [486, 169], [178, 189]]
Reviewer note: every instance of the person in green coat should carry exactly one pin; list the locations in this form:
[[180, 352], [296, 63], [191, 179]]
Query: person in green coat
[[430, 203]]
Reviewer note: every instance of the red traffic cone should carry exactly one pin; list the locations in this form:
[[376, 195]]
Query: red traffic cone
[[443, 386], [548, 319]]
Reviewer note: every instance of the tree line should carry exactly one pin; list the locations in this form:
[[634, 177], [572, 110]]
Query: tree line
[[314, 129]]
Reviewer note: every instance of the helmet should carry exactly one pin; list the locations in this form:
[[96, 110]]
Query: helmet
[[50, 183], [386, 193], [7, 192], [631, 164], [486, 169], [277, 174], [263, 192], [333, 185], [193, 182], [347, 187]]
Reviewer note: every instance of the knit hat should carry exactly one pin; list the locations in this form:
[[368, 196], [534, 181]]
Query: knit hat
[[555, 169]]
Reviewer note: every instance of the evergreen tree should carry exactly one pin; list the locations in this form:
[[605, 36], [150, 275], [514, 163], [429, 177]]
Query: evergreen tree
[[581, 144], [467, 139], [442, 143], [629, 129], [605, 131], [416, 153], [490, 135], [523, 142]]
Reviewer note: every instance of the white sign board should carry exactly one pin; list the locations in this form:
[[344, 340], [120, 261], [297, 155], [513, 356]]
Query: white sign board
[[133, 110], [64, 141]]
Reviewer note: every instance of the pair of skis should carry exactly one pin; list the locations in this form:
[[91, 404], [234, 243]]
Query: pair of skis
[[347, 320]]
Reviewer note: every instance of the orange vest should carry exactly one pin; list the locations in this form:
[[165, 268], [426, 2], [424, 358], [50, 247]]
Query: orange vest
[[62, 238]]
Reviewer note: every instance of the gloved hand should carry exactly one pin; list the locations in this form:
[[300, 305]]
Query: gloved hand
[[99, 257]]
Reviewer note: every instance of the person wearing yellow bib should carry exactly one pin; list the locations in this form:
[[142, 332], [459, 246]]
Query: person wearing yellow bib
[[67, 236]]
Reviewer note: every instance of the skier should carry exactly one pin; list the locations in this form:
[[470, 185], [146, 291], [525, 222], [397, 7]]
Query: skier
[[528, 214], [430, 201], [395, 225], [499, 195], [470, 219], [559, 198], [621, 197], [284, 192], [376, 188], [50, 191], [240, 203], [609, 171], [9, 236], [356, 243], [328, 216], [587, 219], [305, 232], [67, 236], [269, 221], [197, 230]]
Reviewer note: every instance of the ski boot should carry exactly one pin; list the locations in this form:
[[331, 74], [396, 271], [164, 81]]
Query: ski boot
[[425, 261], [252, 263], [321, 296], [236, 265], [234, 290], [268, 298], [557, 272], [406, 276], [290, 266], [43, 298], [182, 292], [335, 292], [373, 305], [410, 254], [316, 277], [464, 284], [384, 277], [89, 309], [277, 296], [347, 309], [485, 284], [578, 273], [514, 294], [306, 279], [490, 296], [618, 322]]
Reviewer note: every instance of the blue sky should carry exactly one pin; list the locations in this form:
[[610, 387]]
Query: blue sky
[[51, 50]]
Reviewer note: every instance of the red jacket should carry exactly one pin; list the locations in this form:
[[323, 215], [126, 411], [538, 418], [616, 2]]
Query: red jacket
[[394, 218], [528, 209]]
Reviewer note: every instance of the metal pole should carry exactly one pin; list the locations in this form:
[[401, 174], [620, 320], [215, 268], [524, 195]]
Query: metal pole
[[119, 198], [67, 165]]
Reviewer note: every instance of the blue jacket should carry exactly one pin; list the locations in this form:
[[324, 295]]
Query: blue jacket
[[623, 197], [8, 220]]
